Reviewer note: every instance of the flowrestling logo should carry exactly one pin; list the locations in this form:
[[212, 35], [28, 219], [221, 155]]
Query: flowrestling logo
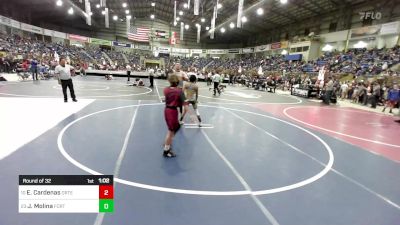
[[370, 15]]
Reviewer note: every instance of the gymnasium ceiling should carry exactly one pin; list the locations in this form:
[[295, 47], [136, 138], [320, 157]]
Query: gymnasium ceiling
[[275, 15]]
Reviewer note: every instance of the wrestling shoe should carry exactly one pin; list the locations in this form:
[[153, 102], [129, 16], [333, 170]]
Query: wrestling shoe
[[169, 154]]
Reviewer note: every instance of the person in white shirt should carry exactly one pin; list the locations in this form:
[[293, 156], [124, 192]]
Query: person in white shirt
[[344, 88], [151, 76], [63, 72], [216, 78], [128, 72]]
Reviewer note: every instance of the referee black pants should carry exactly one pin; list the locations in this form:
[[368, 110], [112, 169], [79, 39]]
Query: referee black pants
[[128, 73], [151, 81], [216, 88], [68, 84]]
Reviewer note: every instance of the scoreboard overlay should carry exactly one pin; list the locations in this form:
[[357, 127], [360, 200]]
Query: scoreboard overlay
[[66, 193]]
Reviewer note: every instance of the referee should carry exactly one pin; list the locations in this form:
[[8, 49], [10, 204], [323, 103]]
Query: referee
[[63, 73], [128, 72], [151, 76]]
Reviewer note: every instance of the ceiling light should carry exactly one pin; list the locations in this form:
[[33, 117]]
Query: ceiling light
[[177, 18], [222, 30], [244, 19], [115, 17], [284, 1], [152, 16], [128, 17], [175, 23], [185, 5], [197, 25], [203, 20], [219, 6], [207, 28], [153, 4], [284, 52], [59, 3], [180, 13], [97, 5], [232, 25], [103, 12], [187, 26], [124, 5], [91, 14], [70, 11], [127, 11], [260, 11]]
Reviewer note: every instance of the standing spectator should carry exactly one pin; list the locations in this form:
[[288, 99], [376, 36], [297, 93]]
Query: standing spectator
[[63, 72], [83, 69], [376, 93], [362, 94], [34, 69], [344, 88], [392, 98], [328, 91], [2, 66]]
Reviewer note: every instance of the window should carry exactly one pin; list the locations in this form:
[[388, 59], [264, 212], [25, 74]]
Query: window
[[332, 27], [367, 22], [306, 31], [293, 50], [287, 36], [305, 48], [299, 49]]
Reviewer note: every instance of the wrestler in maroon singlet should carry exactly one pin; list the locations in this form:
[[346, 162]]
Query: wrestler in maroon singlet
[[174, 98]]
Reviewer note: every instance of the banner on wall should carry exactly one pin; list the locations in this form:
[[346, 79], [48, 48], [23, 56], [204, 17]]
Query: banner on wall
[[143, 47], [164, 50], [196, 51], [276, 45], [160, 34], [119, 44], [365, 31], [390, 28], [248, 50], [262, 48], [15, 24], [234, 51], [59, 34], [31, 28], [10, 22], [216, 51], [48, 32], [78, 38], [100, 41], [180, 50]]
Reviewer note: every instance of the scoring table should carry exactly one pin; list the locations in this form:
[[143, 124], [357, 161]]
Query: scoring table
[[66, 193]]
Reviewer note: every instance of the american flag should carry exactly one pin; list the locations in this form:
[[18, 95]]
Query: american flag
[[139, 34]]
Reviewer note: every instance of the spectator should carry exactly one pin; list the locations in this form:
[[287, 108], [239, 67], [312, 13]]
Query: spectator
[[376, 93], [392, 98], [328, 91]]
